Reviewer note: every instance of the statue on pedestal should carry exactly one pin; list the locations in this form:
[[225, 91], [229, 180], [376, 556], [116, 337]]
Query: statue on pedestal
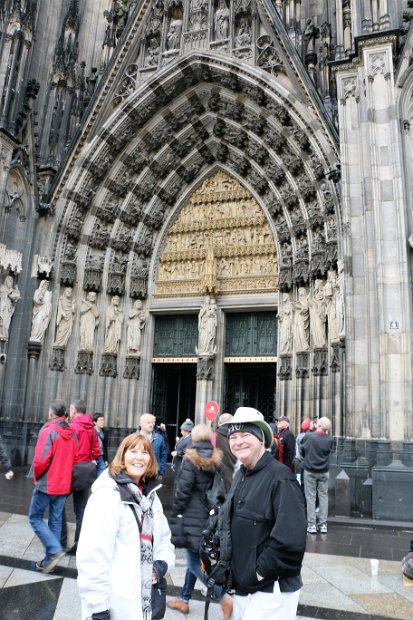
[[9, 296]]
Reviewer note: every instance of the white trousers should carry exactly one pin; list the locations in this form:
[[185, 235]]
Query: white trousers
[[274, 605]]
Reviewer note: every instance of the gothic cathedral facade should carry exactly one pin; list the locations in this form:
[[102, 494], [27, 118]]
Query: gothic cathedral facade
[[211, 200]]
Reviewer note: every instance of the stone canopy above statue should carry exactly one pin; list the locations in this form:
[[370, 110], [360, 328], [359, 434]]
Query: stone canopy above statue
[[221, 244]]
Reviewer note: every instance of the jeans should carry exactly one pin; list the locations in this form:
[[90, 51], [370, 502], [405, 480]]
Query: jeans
[[316, 484], [48, 534], [194, 572], [101, 466], [79, 504]]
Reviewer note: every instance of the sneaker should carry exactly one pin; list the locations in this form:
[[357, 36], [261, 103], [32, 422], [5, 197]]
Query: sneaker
[[47, 566], [311, 529], [179, 605], [323, 528]]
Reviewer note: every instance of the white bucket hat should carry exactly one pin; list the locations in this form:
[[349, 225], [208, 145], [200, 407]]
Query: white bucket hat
[[249, 415]]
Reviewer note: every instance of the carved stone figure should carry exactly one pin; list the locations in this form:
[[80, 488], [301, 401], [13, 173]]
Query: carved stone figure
[[64, 319], [310, 34], [173, 37], [42, 311], [244, 34], [318, 315], [207, 327], [285, 319], [113, 330], [89, 320], [301, 320], [136, 323], [330, 294], [221, 21], [9, 296]]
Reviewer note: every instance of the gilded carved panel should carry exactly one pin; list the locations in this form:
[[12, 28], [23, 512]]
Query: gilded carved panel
[[221, 244]]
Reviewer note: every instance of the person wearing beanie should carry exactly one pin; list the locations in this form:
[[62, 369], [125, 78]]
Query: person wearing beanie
[[182, 443], [228, 459], [287, 440], [264, 512]]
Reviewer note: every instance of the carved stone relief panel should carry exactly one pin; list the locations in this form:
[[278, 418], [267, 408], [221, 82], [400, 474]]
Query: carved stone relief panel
[[221, 233]]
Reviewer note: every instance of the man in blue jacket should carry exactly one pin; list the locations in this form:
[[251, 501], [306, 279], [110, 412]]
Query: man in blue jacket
[[159, 445]]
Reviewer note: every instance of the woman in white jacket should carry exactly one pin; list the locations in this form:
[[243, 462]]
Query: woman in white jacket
[[125, 542]]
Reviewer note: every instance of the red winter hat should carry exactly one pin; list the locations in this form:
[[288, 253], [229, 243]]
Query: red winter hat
[[305, 425]]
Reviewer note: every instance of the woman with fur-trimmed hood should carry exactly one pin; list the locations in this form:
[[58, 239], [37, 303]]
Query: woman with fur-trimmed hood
[[190, 511]]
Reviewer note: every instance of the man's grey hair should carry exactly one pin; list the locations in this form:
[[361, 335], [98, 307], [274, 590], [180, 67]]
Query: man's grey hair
[[224, 418], [79, 405], [58, 408], [324, 424]]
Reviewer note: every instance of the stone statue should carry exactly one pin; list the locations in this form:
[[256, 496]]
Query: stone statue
[[301, 321], [136, 323], [89, 320], [318, 315], [64, 319], [113, 329], [285, 319], [244, 34], [9, 296], [207, 327], [330, 294], [310, 34], [221, 21], [42, 311], [173, 37]]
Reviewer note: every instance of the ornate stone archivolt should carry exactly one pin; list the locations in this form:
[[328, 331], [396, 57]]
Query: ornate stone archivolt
[[222, 228]]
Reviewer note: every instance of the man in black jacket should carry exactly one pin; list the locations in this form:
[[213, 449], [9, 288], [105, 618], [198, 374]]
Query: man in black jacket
[[267, 525], [287, 440]]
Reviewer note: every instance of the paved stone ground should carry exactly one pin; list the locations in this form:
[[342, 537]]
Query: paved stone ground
[[338, 584]]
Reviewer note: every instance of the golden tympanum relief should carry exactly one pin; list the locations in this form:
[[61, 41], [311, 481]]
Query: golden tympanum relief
[[221, 244]]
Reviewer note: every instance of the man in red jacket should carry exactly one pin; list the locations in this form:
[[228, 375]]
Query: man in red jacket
[[88, 450], [54, 456]]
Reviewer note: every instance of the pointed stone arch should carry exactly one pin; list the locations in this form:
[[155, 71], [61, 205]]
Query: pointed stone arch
[[200, 111], [221, 244]]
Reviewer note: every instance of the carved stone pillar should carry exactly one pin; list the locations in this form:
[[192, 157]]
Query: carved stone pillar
[[204, 375], [285, 370], [84, 364], [132, 367], [57, 359], [109, 365], [34, 349]]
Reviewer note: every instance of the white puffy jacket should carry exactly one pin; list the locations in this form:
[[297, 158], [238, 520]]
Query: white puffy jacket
[[108, 553]]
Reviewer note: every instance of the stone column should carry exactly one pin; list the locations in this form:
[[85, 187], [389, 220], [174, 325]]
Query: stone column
[[377, 271], [204, 376], [34, 349]]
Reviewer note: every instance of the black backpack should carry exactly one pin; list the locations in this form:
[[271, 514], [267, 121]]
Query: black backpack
[[215, 494], [216, 547]]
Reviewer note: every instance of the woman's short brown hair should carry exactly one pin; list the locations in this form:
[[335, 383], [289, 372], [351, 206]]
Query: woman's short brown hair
[[131, 441]]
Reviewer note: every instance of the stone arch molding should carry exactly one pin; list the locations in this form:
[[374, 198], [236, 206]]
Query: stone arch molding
[[197, 112]]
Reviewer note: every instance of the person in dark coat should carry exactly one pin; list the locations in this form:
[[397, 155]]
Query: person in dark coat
[[287, 440], [228, 459], [182, 443], [189, 510]]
